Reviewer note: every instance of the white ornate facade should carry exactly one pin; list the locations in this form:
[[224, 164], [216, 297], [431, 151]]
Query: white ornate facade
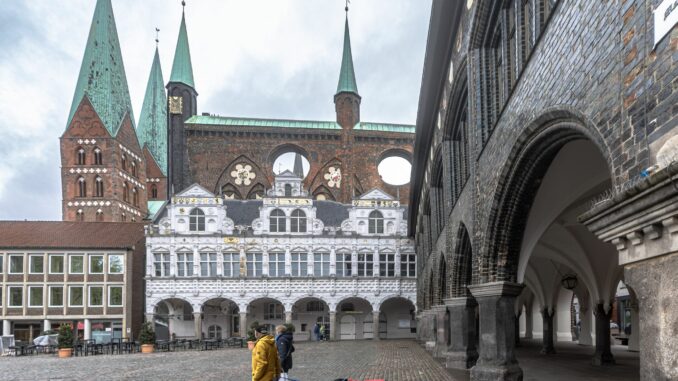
[[215, 265]]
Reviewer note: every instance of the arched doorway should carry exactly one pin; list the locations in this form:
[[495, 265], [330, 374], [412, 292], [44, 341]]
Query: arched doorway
[[352, 313], [397, 319], [173, 319], [220, 317], [306, 313]]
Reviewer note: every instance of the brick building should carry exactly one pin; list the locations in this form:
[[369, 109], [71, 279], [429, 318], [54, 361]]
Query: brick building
[[86, 274], [542, 177]]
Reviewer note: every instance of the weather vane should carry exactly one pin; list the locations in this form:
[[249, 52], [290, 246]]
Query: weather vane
[[347, 3], [157, 40]]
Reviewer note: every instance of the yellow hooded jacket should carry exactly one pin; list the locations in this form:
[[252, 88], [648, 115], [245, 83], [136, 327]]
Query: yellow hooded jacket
[[265, 362]]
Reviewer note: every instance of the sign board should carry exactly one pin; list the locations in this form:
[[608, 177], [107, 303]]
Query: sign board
[[287, 201], [665, 18]]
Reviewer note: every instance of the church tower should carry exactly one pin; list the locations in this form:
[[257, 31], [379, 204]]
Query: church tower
[[347, 99], [103, 172], [181, 105], [152, 131]]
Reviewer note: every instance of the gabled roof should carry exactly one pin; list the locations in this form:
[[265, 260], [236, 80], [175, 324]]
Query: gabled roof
[[182, 69], [102, 76], [69, 235], [376, 194], [195, 190], [288, 174], [152, 127], [347, 82]]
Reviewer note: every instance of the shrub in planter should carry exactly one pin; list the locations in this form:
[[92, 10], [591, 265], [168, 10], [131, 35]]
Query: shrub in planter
[[65, 340], [147, 338]]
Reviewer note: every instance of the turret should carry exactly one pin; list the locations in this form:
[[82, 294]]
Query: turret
[[347, 99]]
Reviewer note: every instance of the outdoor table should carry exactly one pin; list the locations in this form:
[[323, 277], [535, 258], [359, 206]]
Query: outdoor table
[[209, 344]]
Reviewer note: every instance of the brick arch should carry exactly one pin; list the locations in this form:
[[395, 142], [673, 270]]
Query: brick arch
[[462, 263], [225, 176], [399, 152], [442, 277], [318, 180], [519, 180], [457, 101]]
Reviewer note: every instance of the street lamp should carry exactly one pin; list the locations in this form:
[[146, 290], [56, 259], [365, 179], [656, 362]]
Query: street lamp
[[569, 281]]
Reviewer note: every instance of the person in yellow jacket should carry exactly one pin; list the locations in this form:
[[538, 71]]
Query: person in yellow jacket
[[265, 362]]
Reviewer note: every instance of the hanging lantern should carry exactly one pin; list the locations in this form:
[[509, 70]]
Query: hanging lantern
[[569, 281]]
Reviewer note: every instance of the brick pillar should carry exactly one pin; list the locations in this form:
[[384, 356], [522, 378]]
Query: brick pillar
[[442, 329]]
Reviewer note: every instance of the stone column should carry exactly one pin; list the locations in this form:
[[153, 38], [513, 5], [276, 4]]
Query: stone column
[[333, 325], [197, 320], [496, 360], [243, 324], [375, 269], [547, 342], [603, 354], [517, 325], [375, 325], [528, 321], [442, 331], [46, 325], [333, 261], [6, 327], [585, 324], [288, 317], [634, 340], [354, 263], [88, 330], [461, 352]]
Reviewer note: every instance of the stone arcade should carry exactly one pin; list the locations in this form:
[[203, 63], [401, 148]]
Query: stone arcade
[[544, 175], [214, 265]]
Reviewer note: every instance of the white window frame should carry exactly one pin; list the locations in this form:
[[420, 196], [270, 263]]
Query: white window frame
[[404, 265], [42, 301], [375, 222], [70, 262], [89, 263], [278, 266], [366, 266], [63, 263], [185, 264], [89, 296], [9, 296], [302, 263], [122, 263], [83, 295], [2, 263], [343, 266], [280, 223], [30, 263], [122, 298], [49, 296], [299, 221], [384, 263], [319, 266], [209, 264], [253, 264], [9, 263], [232, 262], [165, 261]]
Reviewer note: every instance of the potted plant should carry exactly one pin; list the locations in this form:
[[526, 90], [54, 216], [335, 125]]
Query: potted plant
[[65, 341], [147, 338], [251, 339]]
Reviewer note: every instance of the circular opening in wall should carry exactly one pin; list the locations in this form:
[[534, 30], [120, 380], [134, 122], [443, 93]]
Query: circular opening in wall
[[395, 170], [286, 162]]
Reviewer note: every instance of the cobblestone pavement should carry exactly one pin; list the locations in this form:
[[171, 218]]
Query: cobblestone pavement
[[392, 360]]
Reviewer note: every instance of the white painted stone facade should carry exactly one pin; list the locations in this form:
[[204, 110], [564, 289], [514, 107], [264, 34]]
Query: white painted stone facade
[[345, 297]]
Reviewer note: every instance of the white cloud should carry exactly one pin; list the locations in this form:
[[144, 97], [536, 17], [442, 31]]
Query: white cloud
[[260, 58]]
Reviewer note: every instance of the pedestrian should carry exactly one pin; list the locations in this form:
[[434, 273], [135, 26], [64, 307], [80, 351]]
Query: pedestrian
[[322, 331], [265, 362], [284, 342], [316, 331]]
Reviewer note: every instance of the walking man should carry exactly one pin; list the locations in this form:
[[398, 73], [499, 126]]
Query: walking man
[[265, 362]]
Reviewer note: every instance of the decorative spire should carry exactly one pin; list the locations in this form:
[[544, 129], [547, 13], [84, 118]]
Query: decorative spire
[[102, 74], [152, 128], [347, 82], [182, 69], [298, 168]]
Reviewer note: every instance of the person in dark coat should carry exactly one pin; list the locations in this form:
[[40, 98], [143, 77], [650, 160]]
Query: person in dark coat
[[316, 331], [284, 342]]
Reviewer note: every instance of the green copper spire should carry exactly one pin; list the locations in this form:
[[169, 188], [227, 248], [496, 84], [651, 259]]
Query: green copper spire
[[102, 75], [152, 127], [347, 81], [182, 69]]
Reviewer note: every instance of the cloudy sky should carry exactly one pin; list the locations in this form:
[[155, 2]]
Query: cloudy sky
[[256, 58]]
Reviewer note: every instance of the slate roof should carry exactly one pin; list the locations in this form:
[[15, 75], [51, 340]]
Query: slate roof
[[69, 235], [331, 213], [243, 212]]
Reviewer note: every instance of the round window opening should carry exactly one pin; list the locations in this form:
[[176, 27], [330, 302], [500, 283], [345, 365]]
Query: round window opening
[[291, 161], [395, 170]]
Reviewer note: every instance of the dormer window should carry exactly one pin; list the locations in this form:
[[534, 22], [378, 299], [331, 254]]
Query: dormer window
[[196, 220], [375, 223], [278, 221], [288, 190], [298, 221]]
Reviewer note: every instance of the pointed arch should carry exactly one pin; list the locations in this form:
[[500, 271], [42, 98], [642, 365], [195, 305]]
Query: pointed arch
[[323, 193], [462, 264], [318, 180], [257, 192], [225, 177]]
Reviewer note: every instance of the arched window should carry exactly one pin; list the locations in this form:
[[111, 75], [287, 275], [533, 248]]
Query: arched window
[[134, 168], [375, 222], [97, 157], [135, 196], [79, 215], [98, 187], [197, 220], [100, 215], [82, 187], [80, 156], [278, 221], [288, 190], [298, 221], [125, 192], [124, 162], [154, 191]]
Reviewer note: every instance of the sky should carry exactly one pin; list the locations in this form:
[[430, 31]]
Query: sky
[[254, 58]]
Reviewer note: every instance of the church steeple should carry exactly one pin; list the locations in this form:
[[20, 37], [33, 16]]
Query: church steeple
[[347, 82], [102, 76], [298, 168], [347, 99], [182, 69], [152, 127]]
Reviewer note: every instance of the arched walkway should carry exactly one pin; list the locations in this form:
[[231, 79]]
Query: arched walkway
[[354, 317], [174, 318], [220, 318], [306, 313], [266, 311], [397, 319]]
